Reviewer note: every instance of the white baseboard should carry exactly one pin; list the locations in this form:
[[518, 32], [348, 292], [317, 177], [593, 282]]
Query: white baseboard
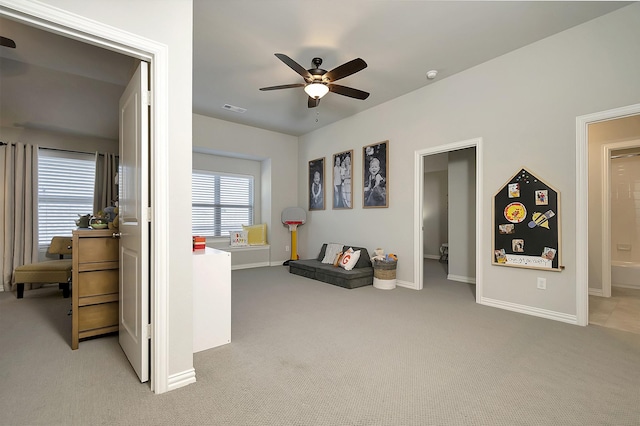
[[250, 265], [181, 379], [462, 279], [634, 286], [529, 310], [595, 292], [406, 284]]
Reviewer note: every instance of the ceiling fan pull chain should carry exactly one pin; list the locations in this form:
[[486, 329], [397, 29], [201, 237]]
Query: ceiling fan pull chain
[[317, 115]]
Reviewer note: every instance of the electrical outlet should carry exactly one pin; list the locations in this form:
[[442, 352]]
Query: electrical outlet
[[542, 283], [286, 248]]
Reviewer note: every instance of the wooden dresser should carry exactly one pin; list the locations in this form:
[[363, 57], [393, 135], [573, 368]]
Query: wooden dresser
[[95, 284]]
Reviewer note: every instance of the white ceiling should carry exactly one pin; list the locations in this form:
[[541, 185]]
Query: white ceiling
[[53, 83]]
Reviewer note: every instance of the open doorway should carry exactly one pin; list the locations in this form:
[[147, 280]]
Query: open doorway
[[614, 223], [90, 32], [461, 163], [589, 235]]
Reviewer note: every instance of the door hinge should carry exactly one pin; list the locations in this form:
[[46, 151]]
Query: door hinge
[[149, 214], [148, 331], [147, 101]]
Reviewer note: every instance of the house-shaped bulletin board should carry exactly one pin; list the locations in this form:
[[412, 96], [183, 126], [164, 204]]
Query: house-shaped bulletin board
[[526, 224]]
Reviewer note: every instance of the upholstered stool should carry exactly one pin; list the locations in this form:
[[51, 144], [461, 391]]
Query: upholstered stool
[[50, 271]]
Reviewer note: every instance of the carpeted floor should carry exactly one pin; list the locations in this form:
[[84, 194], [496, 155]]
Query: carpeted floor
[[308, 353]]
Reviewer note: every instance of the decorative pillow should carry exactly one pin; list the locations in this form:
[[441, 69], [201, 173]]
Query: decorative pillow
[[336, 261], [330, 254], [256, 234], [349, 259], [238, 238]]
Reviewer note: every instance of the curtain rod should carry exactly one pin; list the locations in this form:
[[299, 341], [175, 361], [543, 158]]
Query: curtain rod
[[57, 149]]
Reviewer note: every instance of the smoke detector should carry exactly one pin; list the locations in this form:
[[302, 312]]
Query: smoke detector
[[432, 74]]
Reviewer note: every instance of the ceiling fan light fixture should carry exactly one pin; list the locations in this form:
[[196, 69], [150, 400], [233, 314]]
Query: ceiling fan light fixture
[[316, 90]]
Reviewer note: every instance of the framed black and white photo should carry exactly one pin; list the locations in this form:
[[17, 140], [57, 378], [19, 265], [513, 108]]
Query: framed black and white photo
[[342, 178], [375, 171], [316, 184]]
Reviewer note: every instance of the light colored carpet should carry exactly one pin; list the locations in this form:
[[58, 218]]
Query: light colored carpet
[[308, 353]]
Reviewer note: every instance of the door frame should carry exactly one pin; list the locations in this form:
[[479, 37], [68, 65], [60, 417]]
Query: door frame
[[98, 34], [418, 197], [606, 210], [582, 202]]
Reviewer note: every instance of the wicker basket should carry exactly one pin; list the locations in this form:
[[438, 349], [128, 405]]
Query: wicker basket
[[384, 270]]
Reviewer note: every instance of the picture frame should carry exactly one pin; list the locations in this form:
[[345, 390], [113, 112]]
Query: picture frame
[[343, 180], [375, 175], [316, 184]]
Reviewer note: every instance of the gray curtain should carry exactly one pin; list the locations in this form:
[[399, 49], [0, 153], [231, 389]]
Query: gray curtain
[[105, 190], [18, 209]]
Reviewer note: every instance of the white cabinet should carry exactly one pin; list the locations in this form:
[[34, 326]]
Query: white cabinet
[[211, 298]]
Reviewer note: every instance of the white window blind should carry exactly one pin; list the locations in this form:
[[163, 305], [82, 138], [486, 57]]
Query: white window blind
[[221, 203], [65, 190]]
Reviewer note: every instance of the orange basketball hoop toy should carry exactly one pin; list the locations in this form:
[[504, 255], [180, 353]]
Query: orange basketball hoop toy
[[293, 216]]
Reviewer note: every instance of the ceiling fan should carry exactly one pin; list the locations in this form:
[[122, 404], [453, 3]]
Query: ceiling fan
[[319, 82], [7, 42]]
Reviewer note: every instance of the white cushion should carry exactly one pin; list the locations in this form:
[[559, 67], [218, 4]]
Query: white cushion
[[349, 259], [332, 251]]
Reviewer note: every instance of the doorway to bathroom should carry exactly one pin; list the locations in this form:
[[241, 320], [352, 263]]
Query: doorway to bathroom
[[614, 223]]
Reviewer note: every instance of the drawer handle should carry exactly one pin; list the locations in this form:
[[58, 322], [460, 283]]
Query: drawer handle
[[117, 234]]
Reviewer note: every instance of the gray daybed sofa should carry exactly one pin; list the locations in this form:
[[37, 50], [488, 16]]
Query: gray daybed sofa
[[360, 275]]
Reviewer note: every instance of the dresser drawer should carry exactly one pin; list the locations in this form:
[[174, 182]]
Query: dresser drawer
[[97, 316], [92, 283], [97, 250]]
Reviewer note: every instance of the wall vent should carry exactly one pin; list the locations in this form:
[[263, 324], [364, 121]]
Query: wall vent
[[234, 108]]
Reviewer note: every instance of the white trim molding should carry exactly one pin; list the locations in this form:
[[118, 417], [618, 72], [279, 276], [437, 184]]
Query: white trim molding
[[418, 201], [582, 203], [461, 279], [181, 379], [406, 284], [596, 292], [98, 34], [529, 310]]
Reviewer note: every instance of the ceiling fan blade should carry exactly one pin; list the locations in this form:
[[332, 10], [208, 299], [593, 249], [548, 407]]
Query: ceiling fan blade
[[313, 102], [348, 91], [295, 66], [345, 70], [7, 42], [284, 86]]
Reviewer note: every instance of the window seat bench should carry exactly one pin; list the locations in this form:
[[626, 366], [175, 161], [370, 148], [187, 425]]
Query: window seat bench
[[244, 257]]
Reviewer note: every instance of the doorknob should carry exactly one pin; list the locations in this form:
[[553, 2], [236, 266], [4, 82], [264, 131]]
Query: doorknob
[[117, 234]]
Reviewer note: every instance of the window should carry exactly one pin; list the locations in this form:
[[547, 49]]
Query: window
[[221, 203], [65, 190]]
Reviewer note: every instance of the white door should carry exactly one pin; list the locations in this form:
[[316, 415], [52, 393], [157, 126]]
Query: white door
[[134, 222]]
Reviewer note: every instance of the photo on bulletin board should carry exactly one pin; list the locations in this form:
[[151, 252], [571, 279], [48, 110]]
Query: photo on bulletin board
[[526, 224]]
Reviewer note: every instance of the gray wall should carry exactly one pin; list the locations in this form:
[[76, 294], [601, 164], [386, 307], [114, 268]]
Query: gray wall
[[524, 107], [276, 153], [435, 213], [435, 205], [462, 215], [58, 140]]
